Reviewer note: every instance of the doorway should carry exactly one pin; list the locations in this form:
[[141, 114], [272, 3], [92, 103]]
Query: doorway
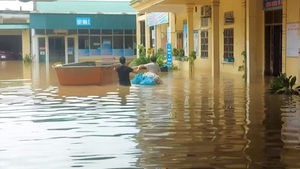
[[273, 43], [57, 49], [273, 50], [70, 53]]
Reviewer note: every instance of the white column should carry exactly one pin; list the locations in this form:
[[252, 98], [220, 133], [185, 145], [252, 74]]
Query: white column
[[66, 49], [76, 49], [47, 50]]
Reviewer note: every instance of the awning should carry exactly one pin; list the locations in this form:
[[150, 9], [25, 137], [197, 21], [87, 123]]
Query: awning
[[14, 26]]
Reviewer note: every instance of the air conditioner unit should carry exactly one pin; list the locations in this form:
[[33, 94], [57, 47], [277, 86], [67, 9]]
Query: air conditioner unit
[[205, 11]]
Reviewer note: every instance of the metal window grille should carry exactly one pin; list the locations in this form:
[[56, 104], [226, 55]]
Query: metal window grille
[[204, 44], [228, 43]]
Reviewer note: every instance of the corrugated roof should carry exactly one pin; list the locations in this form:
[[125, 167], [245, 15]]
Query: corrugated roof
[[89, 7]]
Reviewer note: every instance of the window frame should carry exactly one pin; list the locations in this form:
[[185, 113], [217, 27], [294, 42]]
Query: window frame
[[204, 44], [228, 43]]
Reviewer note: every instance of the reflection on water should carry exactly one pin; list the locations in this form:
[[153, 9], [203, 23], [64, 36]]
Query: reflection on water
[[186, 122]]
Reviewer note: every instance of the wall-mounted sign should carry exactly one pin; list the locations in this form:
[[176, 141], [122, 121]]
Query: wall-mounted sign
[[157, 18], [272, 4], [292, 44], [169, 55], [83, 21]]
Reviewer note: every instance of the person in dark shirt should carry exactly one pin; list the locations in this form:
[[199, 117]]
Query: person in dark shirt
[[123, 72]]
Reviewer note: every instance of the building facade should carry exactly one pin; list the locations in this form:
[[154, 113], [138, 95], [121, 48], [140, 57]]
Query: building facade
[[220, 31], [15, 32], [83, 31]]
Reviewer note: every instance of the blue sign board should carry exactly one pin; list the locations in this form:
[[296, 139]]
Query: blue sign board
[[169, 55], [83, 21], [272, 4]]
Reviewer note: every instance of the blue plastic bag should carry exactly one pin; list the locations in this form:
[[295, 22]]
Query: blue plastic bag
[[137, 79], [148, 81]]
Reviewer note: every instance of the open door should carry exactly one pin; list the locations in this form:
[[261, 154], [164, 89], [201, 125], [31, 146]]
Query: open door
[[273, 50]]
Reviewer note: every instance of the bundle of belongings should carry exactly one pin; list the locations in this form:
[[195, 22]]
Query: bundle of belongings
[[147, 78]]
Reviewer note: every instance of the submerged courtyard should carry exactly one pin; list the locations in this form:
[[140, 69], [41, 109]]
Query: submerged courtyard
[[189, 121]]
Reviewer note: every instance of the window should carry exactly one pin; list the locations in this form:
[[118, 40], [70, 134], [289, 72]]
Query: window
[[83, 45], [118, 32], [204, 44], [40, 31], [50, 31], [228, 44], [95, 45], [106, 45], [180, 40], [128, 31], [129, 46], [128, 42], [72, 31], [118, 42], [204, 22], [106, 31], [83, 31], [95, 31]]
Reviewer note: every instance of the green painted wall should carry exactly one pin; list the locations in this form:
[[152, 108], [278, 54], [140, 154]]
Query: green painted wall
[[68, 21]]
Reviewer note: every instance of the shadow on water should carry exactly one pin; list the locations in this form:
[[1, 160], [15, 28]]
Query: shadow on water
[[187, 122]]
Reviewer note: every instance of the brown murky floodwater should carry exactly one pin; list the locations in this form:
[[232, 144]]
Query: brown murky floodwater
[[187, 122]]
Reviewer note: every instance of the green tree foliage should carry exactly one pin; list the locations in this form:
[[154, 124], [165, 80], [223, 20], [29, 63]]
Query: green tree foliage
[[144, 57]]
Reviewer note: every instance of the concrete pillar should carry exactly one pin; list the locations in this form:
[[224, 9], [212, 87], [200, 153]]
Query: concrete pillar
[[215, 37], [34, 46], [47, 50], [251, 39], [158, 37], [25, 42], [138, 31], [190, 26], [244, 23], [172, 25], [76, 47], [148, 38]]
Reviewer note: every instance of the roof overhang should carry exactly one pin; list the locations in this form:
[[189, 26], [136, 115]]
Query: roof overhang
[[14, 26], [165, 5]]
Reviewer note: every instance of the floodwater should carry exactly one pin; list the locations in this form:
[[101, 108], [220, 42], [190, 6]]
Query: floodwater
[[190, 121]]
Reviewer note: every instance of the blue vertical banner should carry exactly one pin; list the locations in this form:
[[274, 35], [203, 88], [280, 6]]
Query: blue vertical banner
[[169, 55]]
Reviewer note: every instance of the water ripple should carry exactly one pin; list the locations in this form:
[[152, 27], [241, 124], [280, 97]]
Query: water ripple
[[187, 122]]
